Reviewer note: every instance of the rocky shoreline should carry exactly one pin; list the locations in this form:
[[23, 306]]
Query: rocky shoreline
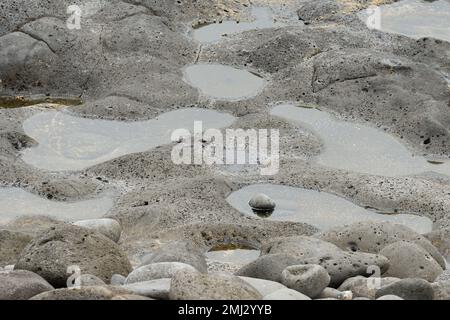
[[127, 64]]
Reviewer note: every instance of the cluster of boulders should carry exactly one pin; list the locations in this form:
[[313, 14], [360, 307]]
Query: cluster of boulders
[[83, 260]]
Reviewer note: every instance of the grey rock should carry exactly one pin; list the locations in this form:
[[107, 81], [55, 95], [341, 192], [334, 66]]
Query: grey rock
[[108, 227], [440, 238], [155, 289], [178, 251], [214, 286], [51, 253], [441, 290], [331, 293], [408, 289], [372, 237], [444, 276], [83, 293], [310, 280], [21, 285], [339, 264], [264, 287], [117, 280], [11, 245], [365, 287], [261, 201], [158, 270], [408, 260], [286, 294], [132, 297]]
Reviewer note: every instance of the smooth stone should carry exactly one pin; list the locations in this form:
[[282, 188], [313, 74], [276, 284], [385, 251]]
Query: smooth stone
[[365, 287], [390, 297], [339, 264], [264, 287], [21, 285], [408, 260], [408, 289], [118, 280], [157, 271], [335, 294], [178, 251], [155, 289], [51, 253], [132, 297], [261, 201], [11, 245], [213, 286], [83, 293], [372, 237], [108, 227], [310, 280], [286, 294]]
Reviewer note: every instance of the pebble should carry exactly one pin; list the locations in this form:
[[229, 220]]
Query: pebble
[[262, 202], [21, 285], [155, 289], [157, 271], [310, 280]]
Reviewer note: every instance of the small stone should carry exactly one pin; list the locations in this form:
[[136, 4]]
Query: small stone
[[108, 227], [213, 286], [264, 287], [157, 271], [286, 294], [335, 294], [307, 279], [155, 289], [262, 202], [89, 280], [21, 285], [117, 280], [408, 260], [408, 289], [390, 297]]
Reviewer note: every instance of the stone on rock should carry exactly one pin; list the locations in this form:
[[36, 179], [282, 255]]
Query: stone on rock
[[178, 251], [11, 245], [286, 294], [262, 202], [408, 260], [158, 270], [372, 237], [108, 227], [310, 280], [51, 253], [339, 264], [21, 285], [213, 286], [408, 289], [155, 289]]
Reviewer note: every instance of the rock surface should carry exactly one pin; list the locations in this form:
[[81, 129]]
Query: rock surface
[[11, 245], [310, 280], [108, 227], [408, 289], [156, 271]]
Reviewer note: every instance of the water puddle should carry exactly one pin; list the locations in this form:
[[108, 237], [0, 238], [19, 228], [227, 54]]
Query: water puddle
[[234, 254], [412, 18], [68, 143], [320, 209], [359, 148], [262, 18], [9, 102], [16, 202], [223, 82]]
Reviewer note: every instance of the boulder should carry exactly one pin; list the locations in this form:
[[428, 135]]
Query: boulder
[[108, 227], [157, 271], [21, 285], [310, 280], [408, 289]]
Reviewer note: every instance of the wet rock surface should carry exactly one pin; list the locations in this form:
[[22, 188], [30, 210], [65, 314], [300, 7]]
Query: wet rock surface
[[126, 63]]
